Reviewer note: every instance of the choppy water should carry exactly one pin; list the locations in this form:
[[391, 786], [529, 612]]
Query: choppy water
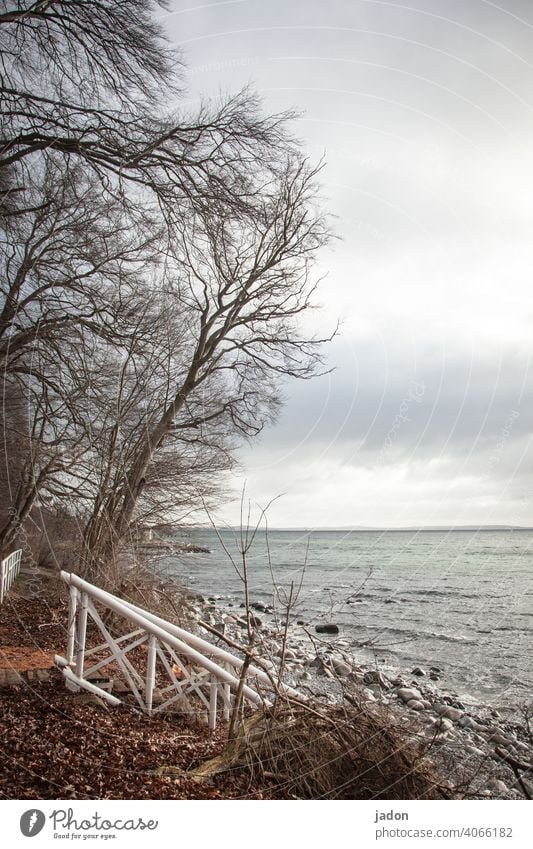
[[458, 600]]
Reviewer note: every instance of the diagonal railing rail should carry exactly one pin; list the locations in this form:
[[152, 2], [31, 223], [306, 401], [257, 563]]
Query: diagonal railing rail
[[153, 658], [9, 569]]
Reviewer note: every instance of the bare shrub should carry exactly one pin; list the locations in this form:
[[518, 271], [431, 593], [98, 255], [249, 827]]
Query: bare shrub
[[312, 751]]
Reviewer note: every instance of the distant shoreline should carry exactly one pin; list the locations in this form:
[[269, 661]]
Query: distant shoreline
[[376, 530]]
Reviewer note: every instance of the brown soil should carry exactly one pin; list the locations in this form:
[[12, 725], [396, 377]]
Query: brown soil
[[62, 745], [22, 658]]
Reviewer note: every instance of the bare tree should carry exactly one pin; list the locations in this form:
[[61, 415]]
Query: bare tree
[[68, 279], [155, 264], [242, 284], [93, 82]]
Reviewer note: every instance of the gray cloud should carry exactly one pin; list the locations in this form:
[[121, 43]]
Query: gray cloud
[[426, 119]]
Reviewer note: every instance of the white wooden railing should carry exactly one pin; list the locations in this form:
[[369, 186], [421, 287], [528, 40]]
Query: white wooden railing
[[187, 670], [9, 569]]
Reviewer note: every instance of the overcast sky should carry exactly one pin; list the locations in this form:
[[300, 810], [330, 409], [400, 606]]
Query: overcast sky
[[424, 111]]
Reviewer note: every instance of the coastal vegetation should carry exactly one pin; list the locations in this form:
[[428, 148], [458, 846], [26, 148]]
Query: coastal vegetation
[[157, 266]]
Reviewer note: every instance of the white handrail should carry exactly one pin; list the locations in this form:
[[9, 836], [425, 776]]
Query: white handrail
[[162, 634], [9, 569], [195, 641], [168, 644]]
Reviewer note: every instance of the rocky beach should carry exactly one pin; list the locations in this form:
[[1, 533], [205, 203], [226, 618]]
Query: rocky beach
[[481, 749]]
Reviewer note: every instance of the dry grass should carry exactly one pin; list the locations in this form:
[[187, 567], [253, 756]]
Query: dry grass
[[151, 591], [310, 751]]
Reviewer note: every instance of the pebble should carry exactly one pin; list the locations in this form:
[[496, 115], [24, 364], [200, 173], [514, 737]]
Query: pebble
[[255, 622], [289, 655], [473, 750], [414, 704], [499, 739], [495, 785], [341, 667], [446, 711], [408, 693], [418, 671], [369, 695], [468, 722], [374, 676]]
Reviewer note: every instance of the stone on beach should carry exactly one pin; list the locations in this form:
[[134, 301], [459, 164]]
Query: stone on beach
[[340, 666], [255, 622], [374, 676], [473, 750], [497, 786], [498, 738], [469, 723], [448, 712], [407, 694], [327, 628], [414, 704], [369, 695], [288, 654]]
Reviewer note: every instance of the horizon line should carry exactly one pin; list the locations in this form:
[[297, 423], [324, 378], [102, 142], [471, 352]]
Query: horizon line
[[378, 528]]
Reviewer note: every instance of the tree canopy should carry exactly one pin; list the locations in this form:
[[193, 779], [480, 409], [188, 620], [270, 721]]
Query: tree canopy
[[155, 265]]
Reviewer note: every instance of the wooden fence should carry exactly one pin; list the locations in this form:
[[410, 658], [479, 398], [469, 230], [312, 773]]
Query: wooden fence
[[9, 569], [154, 658]]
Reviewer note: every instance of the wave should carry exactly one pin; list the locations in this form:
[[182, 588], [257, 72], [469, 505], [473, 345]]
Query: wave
[[423, 635], [445, 593]]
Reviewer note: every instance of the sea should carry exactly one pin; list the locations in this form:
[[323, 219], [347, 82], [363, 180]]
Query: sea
[[460, 601]]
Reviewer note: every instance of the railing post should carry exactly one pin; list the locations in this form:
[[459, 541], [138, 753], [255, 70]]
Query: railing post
[[150, 673], [82, 632], [2, 575], [213, 692], [227, 698], [73, 604]]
